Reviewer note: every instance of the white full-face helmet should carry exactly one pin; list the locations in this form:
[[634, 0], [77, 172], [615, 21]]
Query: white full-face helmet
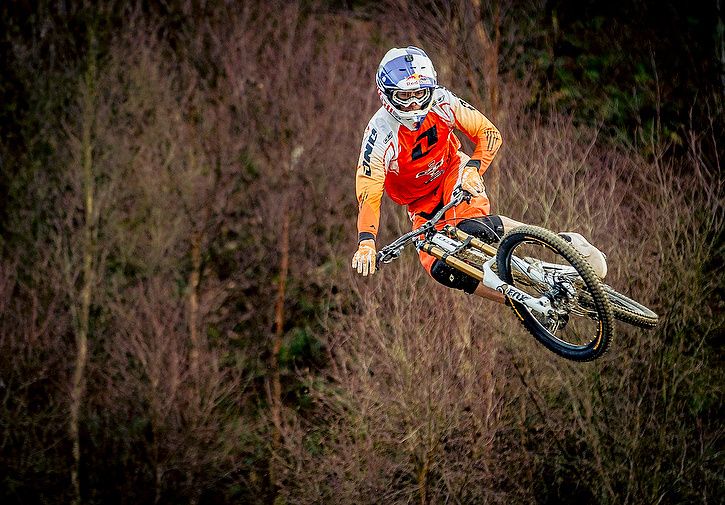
[[406, 77]]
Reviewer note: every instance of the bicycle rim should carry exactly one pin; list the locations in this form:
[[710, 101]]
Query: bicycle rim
[[574, 331]]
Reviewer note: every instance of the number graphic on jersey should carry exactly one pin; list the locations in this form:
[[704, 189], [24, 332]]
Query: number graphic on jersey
[[431, 137], [368, 151]]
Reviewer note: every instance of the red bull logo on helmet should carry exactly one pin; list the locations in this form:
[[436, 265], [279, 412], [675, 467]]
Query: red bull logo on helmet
[[419, 80]]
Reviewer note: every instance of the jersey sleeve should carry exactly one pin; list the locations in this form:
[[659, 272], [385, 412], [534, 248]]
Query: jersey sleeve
[[370, 183], [479, 129]]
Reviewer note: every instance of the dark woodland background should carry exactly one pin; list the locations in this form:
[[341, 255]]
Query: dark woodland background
[[179, 322]]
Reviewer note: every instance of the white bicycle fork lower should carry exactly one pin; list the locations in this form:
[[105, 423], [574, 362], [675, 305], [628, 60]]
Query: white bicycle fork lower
[[491, 280]]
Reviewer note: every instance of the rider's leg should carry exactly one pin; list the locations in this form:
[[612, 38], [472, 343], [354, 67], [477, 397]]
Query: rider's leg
[[449, 276], [489, 293], [509, 224], [452, 278], [490, 229]]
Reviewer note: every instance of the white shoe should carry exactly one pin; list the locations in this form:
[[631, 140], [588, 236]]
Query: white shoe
[[596, 258]]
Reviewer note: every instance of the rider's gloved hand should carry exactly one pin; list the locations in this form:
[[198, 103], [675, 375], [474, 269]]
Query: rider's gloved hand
[[364, 259], [471, 180]]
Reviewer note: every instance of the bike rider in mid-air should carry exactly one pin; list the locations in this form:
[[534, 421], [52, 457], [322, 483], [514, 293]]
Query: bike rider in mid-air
[[409, 149]]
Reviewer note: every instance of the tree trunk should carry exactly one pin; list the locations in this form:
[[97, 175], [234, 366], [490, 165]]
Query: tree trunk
[[89, 233], [720, 41], [492, 70], [490, 44], [276, 390], [194, 304]]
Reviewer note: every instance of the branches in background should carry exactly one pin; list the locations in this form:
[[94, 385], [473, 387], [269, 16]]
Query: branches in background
[[223, 146]]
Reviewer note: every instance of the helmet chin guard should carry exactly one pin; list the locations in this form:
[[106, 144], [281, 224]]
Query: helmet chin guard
[[406, 70]]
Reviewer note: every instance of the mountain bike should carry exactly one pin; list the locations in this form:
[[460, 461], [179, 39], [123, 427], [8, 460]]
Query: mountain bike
[[551, 288]]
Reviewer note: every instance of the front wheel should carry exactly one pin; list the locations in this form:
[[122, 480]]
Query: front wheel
[[541, 263]]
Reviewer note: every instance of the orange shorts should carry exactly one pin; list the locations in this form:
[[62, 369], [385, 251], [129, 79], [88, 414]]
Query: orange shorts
[[479, 207]]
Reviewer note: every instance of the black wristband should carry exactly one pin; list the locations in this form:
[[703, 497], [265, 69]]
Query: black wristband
[[365, 235], [474, 163]]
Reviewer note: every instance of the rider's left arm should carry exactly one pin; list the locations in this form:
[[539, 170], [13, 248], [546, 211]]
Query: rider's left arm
[[480, 130]]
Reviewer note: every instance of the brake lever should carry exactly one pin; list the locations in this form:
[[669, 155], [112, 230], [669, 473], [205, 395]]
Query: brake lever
[[387, 256], [462, 194]]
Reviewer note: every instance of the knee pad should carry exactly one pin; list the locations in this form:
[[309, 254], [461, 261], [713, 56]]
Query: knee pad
[[486, 228], [452, 278]]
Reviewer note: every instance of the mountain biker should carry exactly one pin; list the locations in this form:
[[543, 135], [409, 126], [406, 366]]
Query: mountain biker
[[409, 149]]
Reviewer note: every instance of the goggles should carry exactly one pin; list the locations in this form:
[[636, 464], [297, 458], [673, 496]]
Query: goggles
[[406, 98]]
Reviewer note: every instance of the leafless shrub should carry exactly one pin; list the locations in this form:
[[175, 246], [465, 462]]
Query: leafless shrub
[[33, 414], [413, 398], [659, 223], [203, 150]]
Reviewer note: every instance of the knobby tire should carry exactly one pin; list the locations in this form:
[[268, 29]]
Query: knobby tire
[[624, 309], [599, 310]]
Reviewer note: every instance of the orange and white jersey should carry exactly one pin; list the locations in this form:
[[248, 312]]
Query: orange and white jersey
[[409, 164]]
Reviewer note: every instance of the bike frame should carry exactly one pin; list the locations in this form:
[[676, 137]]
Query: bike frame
[[439, 245]]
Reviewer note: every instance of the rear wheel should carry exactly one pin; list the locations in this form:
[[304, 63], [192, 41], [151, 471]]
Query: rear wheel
[[624, 309], [573, 330]]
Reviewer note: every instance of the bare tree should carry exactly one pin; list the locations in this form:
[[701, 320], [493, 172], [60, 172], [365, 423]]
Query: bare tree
[[78, 243]]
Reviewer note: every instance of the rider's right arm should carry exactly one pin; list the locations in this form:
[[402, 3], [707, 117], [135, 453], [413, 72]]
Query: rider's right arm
[[370, 182]]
